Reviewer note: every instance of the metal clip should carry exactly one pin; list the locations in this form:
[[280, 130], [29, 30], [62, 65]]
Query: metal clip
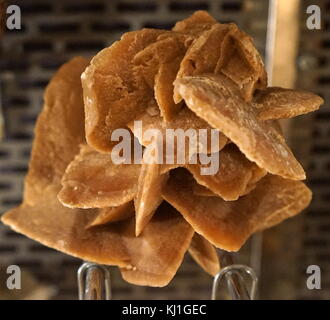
[[236, 284], [94, 282]]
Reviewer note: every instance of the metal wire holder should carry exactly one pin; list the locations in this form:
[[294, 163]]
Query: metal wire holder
[[94, 282], [235, 282]]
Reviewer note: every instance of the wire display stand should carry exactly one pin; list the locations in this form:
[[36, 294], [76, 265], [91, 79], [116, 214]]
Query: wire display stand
[[94, 282]]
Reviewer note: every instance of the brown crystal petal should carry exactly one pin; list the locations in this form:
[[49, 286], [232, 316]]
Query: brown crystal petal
[[278, 127], [200, 190], [203, 55], [93, 180], [159, 63], [64, 229], [112, 95], [164, 89], [57, 140], [184, 120], [196, 23], [241, 62], [158, 252], [148, 196], [216, 100], [228, 225], [41, 216], [256, 176], [234, 177], [205, 254], [166, 48], [163, 51], [280, 103], [183, 37], [113, 214]]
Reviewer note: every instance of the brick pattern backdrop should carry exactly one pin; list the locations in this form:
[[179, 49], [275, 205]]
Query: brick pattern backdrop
[[314, 75]]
